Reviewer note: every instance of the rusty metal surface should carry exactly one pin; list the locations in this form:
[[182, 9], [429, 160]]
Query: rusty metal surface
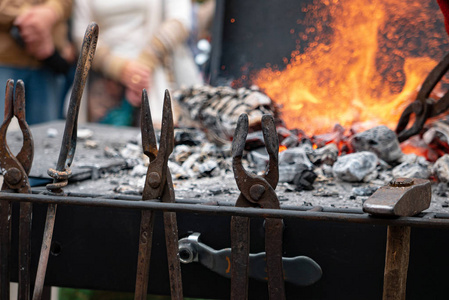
[[158, 185], [68, 147], [403, 197], [256, 191], [424, 107], [15, 170]]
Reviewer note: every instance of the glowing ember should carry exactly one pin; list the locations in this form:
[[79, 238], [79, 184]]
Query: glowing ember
[[363, 65]]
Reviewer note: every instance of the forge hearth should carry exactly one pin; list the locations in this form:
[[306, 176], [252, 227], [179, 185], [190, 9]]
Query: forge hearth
[[202, 170]]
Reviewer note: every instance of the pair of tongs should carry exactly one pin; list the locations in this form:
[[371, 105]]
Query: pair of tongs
[[424, 107], [15, 171], [256, 191], [158, 185]]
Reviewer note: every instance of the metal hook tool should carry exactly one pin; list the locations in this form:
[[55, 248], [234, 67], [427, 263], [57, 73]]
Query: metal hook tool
[[158, 185], [256, 191], [15, 170], [67, 152]]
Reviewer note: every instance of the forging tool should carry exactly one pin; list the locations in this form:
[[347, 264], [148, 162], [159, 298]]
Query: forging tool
[[67, 152], [256, 191], [403, 197], [158, 185], [15, 170], [424, 107]]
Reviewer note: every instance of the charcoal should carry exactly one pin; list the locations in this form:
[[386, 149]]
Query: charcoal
[[325, 155], [295, 155], [181, 153], [290, 141], [413, 167], [254, 140], [364, 190], [380, 140], [207, 167], [355, 167], [259, 158], [84, 134], [288, 172], [304, 179], [52, 132], [441, 168], [216, 109], [139, 170], [190, 137], [441, 190]]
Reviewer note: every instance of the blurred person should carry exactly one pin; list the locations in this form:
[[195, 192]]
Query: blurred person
[[34, 47], [142, 44]]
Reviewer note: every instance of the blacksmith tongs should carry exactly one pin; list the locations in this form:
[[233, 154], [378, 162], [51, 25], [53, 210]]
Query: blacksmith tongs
[[15, 170], [256, 191], [158, 185], [424, 107]]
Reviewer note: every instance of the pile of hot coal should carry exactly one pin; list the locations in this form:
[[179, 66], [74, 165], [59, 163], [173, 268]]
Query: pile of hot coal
[[364, 160]]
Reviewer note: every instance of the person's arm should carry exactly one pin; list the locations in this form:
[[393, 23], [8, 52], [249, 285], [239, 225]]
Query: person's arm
[[130, 73], [173, 31]]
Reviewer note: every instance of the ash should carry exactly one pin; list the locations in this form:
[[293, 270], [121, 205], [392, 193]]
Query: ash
[[202, 171]]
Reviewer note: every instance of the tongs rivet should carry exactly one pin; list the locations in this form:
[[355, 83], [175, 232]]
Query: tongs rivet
[[13, 176], [154, 179], [256, 191]]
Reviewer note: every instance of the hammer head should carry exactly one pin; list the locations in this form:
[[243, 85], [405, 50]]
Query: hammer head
[[403, 197]]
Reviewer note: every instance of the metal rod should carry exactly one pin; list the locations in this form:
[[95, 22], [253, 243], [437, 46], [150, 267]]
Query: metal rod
[[229, 211]]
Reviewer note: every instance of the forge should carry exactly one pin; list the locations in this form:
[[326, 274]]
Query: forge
[[335, 77]]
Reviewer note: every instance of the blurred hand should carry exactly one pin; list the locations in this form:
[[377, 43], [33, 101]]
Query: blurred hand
[[134, 97], [36, 23], [41, 49], [135, 77]]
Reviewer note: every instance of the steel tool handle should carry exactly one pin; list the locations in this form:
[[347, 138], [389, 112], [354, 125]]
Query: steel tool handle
[[299, 270]]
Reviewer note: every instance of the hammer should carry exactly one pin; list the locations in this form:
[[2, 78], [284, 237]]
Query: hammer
[[402, 197]]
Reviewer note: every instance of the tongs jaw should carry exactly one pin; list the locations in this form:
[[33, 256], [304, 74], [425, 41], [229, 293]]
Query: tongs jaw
[[15, 169], [424, 107], [256, 190]]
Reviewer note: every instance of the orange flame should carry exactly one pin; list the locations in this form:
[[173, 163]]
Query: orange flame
[[363, 64]]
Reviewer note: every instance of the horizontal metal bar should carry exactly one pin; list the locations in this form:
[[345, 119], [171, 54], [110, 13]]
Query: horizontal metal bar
[[229, 210]]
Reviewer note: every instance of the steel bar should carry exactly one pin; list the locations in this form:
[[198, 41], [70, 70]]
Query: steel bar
[[231, 211]]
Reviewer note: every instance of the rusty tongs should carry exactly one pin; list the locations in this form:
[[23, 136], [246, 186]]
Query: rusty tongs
[[158, 185], [424, 107], [15, 170], [256, 191]]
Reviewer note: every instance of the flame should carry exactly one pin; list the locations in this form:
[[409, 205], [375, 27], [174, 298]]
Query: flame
[[363, 64]]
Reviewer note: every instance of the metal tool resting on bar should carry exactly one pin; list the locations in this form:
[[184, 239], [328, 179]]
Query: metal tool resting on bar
[[15, 170], [424, 107], [403, 197], [299, 270], [67, 152], [256, 191], [158, 185]]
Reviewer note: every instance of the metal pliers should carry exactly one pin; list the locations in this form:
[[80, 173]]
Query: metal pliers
[[158, 185], [15, 170], [256, 191], [424, 107]]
